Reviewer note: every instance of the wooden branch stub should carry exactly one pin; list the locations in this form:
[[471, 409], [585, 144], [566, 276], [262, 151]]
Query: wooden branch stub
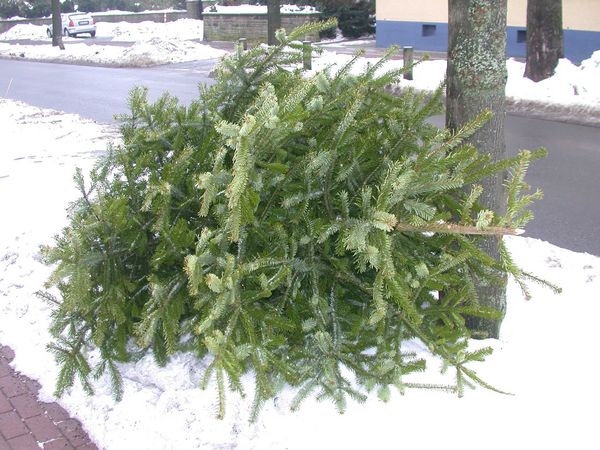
[[451, 228]]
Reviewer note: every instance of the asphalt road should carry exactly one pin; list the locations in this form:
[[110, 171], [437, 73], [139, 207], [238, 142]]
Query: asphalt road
[[568, 216], [96, 92]]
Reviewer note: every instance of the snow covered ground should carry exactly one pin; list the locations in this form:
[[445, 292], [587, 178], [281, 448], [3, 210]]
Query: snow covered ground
[[259, 9], [546, 355], [146, 53], [571, 84], [182, 29], [149, 43]]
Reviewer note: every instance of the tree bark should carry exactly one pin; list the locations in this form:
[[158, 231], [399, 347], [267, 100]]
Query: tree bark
[[56, 25], [544, 38], [476, 81], [274, 20]]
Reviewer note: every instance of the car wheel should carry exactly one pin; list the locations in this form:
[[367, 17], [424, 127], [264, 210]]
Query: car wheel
[[66, 33], [48, 32], [93, 33]]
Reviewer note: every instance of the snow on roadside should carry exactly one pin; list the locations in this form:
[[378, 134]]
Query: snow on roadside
[[545, 357], [40, 149], [571, 85], [141, 54], [258, 9], [25, 31], [182, 29], [153, 43], [118, 12]]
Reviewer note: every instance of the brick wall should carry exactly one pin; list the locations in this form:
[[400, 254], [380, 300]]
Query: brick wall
[[253, 27]]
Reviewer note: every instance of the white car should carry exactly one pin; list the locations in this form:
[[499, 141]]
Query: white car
[[75, 23]]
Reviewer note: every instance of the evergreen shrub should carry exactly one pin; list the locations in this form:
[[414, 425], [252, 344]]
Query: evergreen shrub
[[357, 19], [297, 227]]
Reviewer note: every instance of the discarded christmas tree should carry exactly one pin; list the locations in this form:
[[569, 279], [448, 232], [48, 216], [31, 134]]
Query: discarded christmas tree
[[293, 226]]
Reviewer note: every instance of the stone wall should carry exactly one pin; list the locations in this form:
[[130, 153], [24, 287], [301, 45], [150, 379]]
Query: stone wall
[[132, 18], [159, 17], [253, 27]]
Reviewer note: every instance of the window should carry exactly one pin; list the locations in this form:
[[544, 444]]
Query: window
[[521, 36], [428, 30]]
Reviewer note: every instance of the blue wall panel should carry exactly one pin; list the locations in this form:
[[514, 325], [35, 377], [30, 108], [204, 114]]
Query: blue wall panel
[[513, 46], [579, 45], [410, 34]]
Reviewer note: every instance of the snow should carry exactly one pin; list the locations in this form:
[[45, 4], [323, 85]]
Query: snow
[[118, 12], [151, 43], [545, 357], [24, 31], [182, 29], [258, 9], [141, 54], [571, 85]]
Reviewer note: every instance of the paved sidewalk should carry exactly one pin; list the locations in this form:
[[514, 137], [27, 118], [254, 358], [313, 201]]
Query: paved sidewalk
[[29, 424]]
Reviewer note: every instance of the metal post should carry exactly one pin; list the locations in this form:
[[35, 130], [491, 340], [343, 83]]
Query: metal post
[[243, 42], [408, 56], [307, 55]]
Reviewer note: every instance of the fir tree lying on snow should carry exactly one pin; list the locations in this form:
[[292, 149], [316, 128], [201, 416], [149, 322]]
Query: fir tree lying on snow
[[298, 227]]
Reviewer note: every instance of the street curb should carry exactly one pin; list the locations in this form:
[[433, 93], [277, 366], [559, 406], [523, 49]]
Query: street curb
[[576, 114], [585, 115]]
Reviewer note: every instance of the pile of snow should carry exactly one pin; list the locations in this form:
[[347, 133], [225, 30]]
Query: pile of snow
[[545, 356], [118, 12], [146, 53], [25, 31], [182, 29], [571, 85], [259, 9]]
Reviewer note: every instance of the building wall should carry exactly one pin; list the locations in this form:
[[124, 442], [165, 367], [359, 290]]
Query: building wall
[[424, 25]]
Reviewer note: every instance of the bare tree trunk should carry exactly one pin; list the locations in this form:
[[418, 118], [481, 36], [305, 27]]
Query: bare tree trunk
[[56, 26], [274, 20], [544, 38], [476, 78]]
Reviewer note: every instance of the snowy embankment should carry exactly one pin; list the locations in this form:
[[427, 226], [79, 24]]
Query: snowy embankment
[[148, 44], [572, 94], [545, 357], [151, 52], [259, 9], [182, 29]]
